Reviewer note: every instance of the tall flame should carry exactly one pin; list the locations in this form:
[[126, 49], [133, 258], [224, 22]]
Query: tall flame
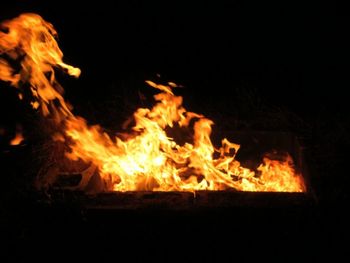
[[30, 41], [148, 159]]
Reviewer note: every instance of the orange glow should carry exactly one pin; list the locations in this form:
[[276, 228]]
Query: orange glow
[[146, 159], [17, 139]]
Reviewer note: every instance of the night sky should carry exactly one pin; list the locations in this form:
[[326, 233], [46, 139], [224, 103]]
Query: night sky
[[292, 53]]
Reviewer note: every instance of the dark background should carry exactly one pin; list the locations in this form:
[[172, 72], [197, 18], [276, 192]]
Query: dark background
[[248, 65], [292, 53]]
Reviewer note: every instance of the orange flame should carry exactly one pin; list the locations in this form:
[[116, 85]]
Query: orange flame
[[33, 37], [148, 159], [17, 139]]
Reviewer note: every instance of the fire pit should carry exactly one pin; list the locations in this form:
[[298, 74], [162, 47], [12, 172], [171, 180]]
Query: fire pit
[[198, 200], [143, 166]]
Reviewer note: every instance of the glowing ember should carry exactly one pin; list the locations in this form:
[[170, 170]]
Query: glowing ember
[[147, 159], [17, 139]]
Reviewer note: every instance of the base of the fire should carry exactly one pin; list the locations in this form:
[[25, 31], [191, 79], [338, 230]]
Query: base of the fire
[[63, 174]]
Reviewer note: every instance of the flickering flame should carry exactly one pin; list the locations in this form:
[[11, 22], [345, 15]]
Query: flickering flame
[[30, 41], [146, 159]]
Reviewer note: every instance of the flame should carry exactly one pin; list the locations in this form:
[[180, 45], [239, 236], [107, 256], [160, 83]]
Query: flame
[[17, 139], [30, 41], [147, 158]]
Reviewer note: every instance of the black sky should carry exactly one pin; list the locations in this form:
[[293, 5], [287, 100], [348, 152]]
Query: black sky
[[292, 54]]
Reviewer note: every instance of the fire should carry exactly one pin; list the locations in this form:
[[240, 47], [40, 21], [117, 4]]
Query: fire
[[147, 158], [32, 38], [17, 139]]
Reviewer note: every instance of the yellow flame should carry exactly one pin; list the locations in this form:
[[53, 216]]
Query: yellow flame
[[147, 159], [33, 37], [150, 160]]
